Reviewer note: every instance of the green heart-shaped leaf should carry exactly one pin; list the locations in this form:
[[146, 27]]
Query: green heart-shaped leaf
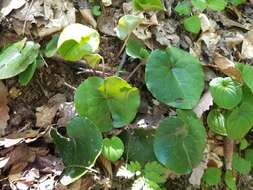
[[226, 92], [180, 141], [175, 77], [216, 122], [80, 150], [216, 5], [76, 41], [136, 48], [17, 57], [109, 102], [113, 148]]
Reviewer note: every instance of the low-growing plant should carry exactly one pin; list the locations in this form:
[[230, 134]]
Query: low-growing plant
[[192, 22]]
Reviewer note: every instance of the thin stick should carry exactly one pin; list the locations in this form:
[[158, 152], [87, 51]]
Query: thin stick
[[228, 152], [123, 47], [134, 71], [29, 8]]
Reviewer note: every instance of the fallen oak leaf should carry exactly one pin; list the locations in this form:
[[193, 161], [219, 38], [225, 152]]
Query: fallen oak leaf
[[4, 109], [247, 46], [227, 67], [204, 104]]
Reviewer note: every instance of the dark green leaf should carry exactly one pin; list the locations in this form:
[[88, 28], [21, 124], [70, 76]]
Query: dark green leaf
[[51, 47], [80, 150], [140, 146], [155, 172], [249, 155], [174, 77], [180, 141], [135, 48]]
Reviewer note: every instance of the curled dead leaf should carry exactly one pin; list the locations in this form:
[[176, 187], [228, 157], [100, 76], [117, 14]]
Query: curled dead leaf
[[204, 104], [227, 67]]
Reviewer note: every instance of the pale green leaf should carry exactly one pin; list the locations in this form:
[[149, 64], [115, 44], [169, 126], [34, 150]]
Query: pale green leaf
[[148, 5], [76, 41], [112, 148], [126, 25], [183, 8], [216, 5]]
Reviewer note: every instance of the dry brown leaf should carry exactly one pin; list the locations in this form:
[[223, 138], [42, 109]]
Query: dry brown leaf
[[247, 46], [4, 109], [227, 67], [204, 104], [8, 6]]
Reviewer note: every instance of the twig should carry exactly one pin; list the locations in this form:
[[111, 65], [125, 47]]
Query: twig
[[134, 71], [122, 62], [123, 47], [29, 8], [69, 85], [228, 152]]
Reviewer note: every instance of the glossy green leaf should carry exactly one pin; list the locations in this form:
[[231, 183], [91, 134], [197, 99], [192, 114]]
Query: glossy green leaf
[[199, 4], [26, 76], [180, 141], [226, 92], [126, 25], [17, 57], [247, 75], [135, 48], [230, 180], [112, 148], [192, 24], [76, 41], [240, 121], [174, 77], [148, 5], [240, 164], [139, 146], [109, 102], [216, 5], [183, 8], [212, 176], [79, 150], [51, 47], [216, 122]]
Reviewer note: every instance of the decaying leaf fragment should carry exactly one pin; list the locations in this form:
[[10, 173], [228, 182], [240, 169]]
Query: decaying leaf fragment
[[4, 109], [227, 67], [204, 104], [247, 46]]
